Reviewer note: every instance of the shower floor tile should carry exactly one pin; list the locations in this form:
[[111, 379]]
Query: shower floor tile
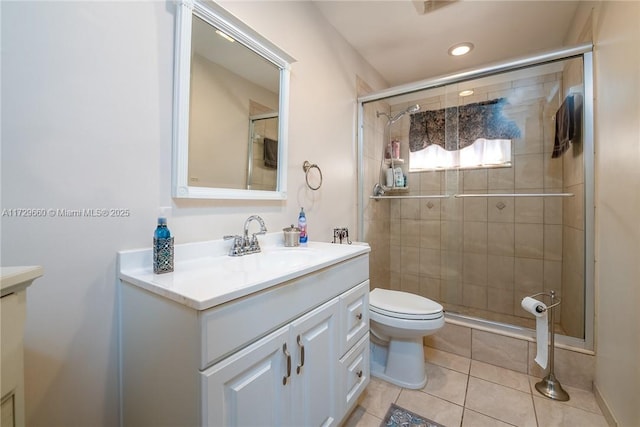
[[466, 393]]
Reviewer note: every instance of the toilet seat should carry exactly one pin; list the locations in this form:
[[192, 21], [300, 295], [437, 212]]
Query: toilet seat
[[403, 305]]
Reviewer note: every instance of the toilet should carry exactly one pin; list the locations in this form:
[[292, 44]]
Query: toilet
[[398, 322]]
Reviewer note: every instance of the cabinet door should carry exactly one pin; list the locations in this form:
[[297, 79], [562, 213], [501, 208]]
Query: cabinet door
[[316, 380], [250, 387]]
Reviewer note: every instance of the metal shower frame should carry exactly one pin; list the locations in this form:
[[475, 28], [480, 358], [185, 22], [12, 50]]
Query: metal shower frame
[[584, 51]]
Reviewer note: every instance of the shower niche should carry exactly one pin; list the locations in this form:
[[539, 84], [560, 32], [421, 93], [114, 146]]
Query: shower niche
[[499, 177]]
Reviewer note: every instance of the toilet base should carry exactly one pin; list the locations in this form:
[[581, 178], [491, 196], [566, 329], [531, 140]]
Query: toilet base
[[400, 363]]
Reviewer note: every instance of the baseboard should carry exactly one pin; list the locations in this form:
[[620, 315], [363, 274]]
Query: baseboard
[[606, 411]]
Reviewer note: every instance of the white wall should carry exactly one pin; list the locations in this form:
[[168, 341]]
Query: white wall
[[617, 71], [86, 123]]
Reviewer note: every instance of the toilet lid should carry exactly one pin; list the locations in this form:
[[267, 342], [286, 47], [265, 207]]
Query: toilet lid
[[403, 305]]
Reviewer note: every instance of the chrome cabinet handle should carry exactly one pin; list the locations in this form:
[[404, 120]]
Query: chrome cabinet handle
[[301, 345], [359, 316], [286, 353]]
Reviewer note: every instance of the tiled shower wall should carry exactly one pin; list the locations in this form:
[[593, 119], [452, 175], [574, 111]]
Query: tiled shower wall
[[480, 256]]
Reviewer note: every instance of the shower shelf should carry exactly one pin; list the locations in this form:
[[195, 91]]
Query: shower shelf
[[395, 161]]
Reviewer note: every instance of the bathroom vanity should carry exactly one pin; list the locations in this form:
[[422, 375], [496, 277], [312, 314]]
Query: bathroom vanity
[[275, 338], [14, 282]]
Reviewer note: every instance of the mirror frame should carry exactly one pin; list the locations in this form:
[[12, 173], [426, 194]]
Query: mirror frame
[[218, 17]]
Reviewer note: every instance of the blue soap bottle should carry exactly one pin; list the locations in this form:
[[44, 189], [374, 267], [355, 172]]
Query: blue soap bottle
[[162, 248], [302, 225]]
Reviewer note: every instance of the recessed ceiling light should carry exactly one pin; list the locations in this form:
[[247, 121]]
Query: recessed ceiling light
[[225, 36], [460, 49], [467, 92]]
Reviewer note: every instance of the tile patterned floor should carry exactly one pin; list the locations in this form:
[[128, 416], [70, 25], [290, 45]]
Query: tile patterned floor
[[462, 392]]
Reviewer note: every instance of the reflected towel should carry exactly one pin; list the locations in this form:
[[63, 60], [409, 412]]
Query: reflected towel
[[270, 153], [568, 124]]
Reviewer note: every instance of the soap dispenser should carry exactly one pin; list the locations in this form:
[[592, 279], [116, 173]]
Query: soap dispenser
[[162, 248]]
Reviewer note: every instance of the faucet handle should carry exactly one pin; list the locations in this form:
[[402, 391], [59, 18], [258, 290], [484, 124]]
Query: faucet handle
[[237, 249]]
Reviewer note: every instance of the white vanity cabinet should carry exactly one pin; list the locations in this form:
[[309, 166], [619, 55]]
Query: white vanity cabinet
[[295, 353]]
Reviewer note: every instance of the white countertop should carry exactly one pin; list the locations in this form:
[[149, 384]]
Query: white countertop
[[16, 279], [205, 276]]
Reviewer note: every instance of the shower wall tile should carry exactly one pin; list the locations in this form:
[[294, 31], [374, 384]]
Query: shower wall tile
[[500, 300], [430, 235], [552, 172], [430, 209], [451, 235], [451, 265], [500, 272], [451, 338], [501, 209], [552, 276], [553, 242], [410, 283], [499, 350], [474, 296], [529, 274], [394, 281], [530, 209], [410, 209], [475, 179], [553, 210], [501, 179], [410, 259], [452, 209], [474, 268], [500, 238], [475, 237], [430, 288], [430, 263], [395, 235], [395, 258], [475, 209], [570, 367], [430, 182], [574, 244], [528, 171], [410, 233], [451, 291], [529, 240], [573, 209]]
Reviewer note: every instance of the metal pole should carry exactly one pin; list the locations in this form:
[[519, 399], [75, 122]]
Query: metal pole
[[550, 386]]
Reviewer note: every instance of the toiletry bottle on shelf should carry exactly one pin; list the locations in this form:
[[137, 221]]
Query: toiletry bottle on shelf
[[399, 177], [389, 177], [395, 149], [162, 248], [302, 225]]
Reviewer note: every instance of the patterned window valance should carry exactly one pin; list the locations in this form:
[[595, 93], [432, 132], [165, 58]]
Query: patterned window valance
[[458, 127]]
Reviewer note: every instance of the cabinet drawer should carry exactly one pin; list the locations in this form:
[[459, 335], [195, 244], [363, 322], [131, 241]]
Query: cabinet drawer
[[354, 367], [233, 325], [354, 306]]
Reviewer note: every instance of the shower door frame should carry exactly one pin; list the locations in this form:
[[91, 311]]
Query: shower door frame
[[584, 51]]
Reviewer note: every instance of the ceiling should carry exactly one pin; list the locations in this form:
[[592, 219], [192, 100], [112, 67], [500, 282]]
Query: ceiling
[[407, 40]]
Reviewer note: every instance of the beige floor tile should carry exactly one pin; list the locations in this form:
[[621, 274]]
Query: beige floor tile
[[447, 360], [500, 402], [578, 398], [378, 396], [502, 376], [436, 409], [446, 384], [474, 419], [552, 414], [361, 418]]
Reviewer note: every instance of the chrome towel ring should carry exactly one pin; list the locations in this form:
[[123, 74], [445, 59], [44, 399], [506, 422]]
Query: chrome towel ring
[[306, 166]]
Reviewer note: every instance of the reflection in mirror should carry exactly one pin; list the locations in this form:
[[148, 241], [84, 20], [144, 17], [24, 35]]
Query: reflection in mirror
[[225, 75], [263, 152]]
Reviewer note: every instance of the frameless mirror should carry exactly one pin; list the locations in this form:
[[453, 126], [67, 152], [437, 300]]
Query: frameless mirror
[[228, 81]]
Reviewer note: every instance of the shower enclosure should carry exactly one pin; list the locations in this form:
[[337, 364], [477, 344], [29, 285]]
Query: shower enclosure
[[498, 198]]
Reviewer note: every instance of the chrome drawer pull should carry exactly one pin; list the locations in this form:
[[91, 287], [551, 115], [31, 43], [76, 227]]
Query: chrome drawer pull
[[359, 373], [301, 345], [359, 316], [286, 353]]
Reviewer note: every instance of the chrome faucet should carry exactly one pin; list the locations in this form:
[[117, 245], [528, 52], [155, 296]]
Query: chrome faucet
[[245, 245]]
